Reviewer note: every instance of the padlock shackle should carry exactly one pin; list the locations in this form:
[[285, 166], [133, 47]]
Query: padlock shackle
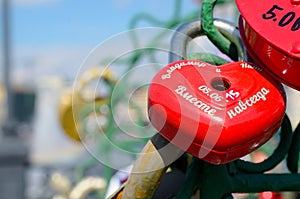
[[188, 31]]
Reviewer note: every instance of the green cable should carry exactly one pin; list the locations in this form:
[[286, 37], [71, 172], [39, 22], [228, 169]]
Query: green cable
[[190, 183], [292, 160], [223, 44], [276, 157]]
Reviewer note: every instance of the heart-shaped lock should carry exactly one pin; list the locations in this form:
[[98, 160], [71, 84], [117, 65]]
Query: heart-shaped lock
[[216, 113], [270, 31]]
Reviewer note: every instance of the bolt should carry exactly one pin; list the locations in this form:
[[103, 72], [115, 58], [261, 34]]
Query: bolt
[[295, 2], [296, 47]]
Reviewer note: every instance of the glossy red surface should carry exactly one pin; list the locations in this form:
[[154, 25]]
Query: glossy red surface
[[272, 32], [216, 113], [271, 70]]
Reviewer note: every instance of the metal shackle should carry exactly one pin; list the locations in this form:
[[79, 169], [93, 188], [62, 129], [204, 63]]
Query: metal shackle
[[188, 31]]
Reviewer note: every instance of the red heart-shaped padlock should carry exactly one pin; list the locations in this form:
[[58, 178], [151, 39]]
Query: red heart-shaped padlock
[[216, 113], [271, 33]]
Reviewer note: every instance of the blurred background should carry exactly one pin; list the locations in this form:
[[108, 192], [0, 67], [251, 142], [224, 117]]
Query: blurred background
[[46, 47], [44, 44]]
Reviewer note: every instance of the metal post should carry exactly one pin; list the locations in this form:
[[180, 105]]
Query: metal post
[[13, 153], [7, 60]]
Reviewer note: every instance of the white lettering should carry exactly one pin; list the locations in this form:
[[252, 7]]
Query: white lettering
[[192, 100], [243, 106], [178, 66], [265, 91], [187, 96], [180, 90], [247, 65], [248, 103], [238, 109], [231, 114]]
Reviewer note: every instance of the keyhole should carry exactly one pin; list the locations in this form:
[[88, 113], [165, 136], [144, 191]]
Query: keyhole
[[220, 83]]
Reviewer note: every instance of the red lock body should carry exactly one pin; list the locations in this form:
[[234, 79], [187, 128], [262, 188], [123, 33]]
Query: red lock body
[[216, 113], [271, 33]]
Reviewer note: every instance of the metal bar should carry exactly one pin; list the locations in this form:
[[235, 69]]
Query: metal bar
[[293, 154], [188, 31], [277, 156], [216, 182], [190, 183], [150, 167], [254, 183], [7, 59]]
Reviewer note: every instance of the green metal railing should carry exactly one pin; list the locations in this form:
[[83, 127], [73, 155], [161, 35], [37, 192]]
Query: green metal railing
[[219, 181]]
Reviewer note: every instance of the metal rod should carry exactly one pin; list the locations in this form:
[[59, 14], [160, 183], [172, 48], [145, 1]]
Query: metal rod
[[7, 60]]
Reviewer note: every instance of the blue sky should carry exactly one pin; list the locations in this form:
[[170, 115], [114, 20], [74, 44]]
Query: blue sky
[[53, 37], [79, 22], [48, 35]]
